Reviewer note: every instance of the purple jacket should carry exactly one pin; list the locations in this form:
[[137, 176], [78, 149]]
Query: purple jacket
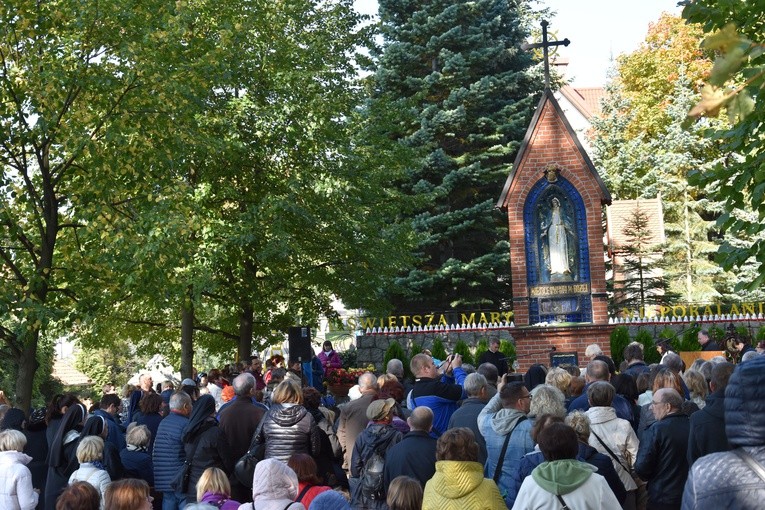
[[220, 501], [332, 357]]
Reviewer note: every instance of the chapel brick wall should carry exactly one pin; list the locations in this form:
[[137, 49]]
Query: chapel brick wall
[[551, 143]]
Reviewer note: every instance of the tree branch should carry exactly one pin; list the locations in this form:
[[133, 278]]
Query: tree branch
[[13, 267], [208, 329]]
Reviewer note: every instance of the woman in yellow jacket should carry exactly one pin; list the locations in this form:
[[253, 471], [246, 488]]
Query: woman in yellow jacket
[[459, 483]]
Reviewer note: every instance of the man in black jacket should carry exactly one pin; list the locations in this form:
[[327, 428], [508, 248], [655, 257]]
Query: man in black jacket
[[708, 425], [661, 458], [238, 422], [705, 342], [495, 357], [415, 455]]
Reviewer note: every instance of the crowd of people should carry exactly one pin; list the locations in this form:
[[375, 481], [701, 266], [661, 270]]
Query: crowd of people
[[454, 437]]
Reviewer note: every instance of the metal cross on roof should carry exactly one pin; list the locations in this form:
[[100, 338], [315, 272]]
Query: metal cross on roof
[[545, 44]]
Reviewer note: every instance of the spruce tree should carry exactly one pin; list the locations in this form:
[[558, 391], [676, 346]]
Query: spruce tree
[[643, 282], [464, 95]]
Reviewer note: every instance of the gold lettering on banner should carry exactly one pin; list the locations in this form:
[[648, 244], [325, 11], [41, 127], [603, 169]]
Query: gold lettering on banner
[[431, 319], [692, 310], [560, 290]]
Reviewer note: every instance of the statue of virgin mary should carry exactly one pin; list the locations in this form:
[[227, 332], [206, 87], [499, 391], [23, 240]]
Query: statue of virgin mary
[[557, 241]]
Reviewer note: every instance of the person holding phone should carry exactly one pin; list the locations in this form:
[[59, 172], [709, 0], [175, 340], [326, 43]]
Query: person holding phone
[[437, 388]]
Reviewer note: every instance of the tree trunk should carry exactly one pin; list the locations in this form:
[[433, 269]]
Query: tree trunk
[[187, 338], [245, 333], [27, 363]]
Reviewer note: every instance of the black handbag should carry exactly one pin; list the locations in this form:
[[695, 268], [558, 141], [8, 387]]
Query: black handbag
[[181, 481], [245, 467]]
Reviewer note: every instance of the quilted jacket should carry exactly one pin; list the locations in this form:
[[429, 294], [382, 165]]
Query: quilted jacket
[[460, 485], [168, 454], [290, 429], [722, 480]]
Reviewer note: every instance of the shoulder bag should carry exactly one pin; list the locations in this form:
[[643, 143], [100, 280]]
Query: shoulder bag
[[181, 481], [245, 467], [501, 460]]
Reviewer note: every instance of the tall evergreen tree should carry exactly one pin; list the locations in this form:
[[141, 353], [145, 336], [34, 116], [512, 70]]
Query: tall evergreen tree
[[644, 283], [464, 94]]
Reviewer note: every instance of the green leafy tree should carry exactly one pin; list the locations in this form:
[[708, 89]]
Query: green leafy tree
[[463, 95], [87, 128], [647, 152], [649, 75], [278, 198], [735, 86]]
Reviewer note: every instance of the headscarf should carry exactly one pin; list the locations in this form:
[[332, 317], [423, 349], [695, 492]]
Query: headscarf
[[94, 426], [13, 419], [535, 376], [71, 421], [203, 409]]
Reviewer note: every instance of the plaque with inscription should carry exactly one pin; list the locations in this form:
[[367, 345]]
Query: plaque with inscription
[[558, 289]]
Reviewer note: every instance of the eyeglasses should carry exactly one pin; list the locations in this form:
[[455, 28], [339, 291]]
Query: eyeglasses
[[527, 396]]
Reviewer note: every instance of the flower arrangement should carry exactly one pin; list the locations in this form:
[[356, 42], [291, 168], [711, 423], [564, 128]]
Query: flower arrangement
[[343, 376]]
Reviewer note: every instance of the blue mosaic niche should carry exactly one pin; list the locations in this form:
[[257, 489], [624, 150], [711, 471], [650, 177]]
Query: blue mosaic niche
[[555, 210]]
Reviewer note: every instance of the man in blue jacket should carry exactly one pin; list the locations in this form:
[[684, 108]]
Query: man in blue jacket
[[438, 391], [169, 455], [109, 408]]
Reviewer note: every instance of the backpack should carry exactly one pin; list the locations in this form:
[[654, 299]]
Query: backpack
[[371, 482]]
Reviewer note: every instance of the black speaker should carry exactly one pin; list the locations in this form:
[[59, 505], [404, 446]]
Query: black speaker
[[300, 344]]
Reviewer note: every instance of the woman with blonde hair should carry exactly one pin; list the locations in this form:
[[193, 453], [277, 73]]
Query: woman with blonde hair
[[214, 489], [404, 493], [288, 427], [16, 489], [90, 454], [128, 494], [697, 387], [559, 378]]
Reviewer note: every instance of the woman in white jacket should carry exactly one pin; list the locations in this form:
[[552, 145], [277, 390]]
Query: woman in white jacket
[[16, 492], [562, 481], [90, 453], [613, 436], [274, 487]]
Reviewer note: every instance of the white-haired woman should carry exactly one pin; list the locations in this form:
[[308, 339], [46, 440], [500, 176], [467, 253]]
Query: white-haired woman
[[16, 491], [90, 454]]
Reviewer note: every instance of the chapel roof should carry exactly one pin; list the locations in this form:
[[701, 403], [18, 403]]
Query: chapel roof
[[547, 96]]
